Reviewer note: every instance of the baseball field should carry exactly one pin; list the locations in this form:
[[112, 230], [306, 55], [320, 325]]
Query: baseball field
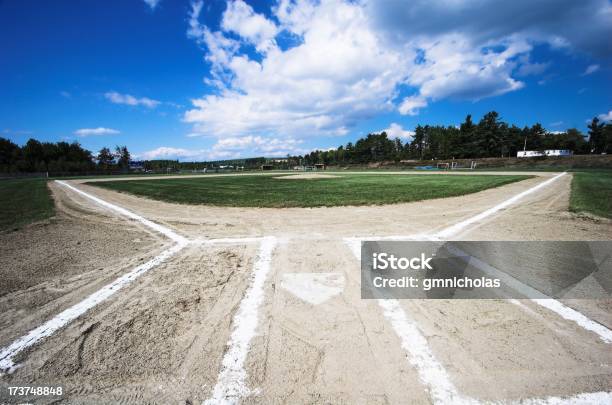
[[246, 288]]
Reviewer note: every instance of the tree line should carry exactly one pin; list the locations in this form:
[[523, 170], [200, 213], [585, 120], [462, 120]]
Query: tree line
[[490, 137], [59, 157]]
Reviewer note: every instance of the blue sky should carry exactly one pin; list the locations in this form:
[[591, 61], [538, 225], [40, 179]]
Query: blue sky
[[211, 80]]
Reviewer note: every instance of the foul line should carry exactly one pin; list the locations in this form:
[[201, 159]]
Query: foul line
[[539, 298], [231, 382], [231, 379], [62, 319], [431, 372], [156, 227], [552, 304], [458, 227], [65, 317], [604, 333]]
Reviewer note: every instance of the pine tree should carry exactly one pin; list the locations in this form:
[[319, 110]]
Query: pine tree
[[597, 139]]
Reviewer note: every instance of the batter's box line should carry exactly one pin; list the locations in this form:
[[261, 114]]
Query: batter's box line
[[48, 328], [431, 372]]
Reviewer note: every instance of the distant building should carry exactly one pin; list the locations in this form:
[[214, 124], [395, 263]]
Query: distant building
[[266, 167], [319, 166], [558, 152], [548, 152], [529, 153]]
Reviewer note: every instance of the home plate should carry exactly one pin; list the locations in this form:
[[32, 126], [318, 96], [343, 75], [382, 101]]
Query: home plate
[[314, 288]]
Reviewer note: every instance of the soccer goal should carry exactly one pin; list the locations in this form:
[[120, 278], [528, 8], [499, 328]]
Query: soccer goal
[[443, 166]]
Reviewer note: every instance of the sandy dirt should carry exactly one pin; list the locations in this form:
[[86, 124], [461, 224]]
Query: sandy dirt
[[48, 266], [162, 339]]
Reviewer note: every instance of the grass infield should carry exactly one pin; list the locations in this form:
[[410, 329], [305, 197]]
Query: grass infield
[[24, 201], [267, 191], [592, 193]]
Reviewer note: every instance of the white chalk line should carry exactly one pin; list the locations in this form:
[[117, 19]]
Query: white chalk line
[[231, 382], [571, 314], [45, 330], [8, 353], [551, 304], [538, 297], [431, 372], [458, 227], [150, 224], [62, 319]]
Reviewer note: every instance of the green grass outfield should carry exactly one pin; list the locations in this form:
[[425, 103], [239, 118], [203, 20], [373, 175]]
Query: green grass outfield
[[24, 201], [592, 193], [347, 189]]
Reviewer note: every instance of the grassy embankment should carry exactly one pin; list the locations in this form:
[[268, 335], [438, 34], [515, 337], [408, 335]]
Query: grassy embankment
[[592, 193], [24, 201]]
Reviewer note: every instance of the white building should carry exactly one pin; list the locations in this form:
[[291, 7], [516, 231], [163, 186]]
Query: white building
[[547, 152], [558, 152], [529, 153]]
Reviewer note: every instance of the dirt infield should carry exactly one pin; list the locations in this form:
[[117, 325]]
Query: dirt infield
[[171, 335]]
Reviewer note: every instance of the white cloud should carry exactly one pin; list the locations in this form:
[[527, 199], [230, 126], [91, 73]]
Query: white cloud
[[591, 69], [454, 67], [152, 3], [256, 145], [606, 116], [167, 152], [396, 131], [351, 60], [128, 99], [338, 75], [569, 24], [411, 105], [65, 94], [95, 131], [255, 28], [195, 29], [229, 148]]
